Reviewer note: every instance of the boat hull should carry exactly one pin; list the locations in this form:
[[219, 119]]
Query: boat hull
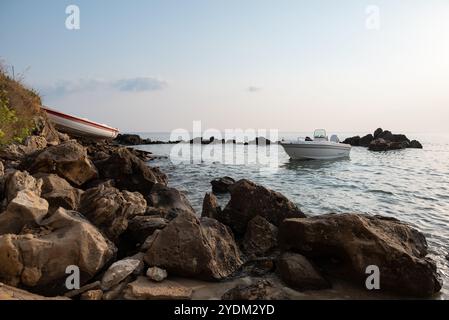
[[317, 151], [80, 127]]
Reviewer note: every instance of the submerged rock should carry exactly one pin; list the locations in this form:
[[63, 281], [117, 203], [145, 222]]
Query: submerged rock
[[186, 247], [69, 160], [249, 200], [109, 209], [40, 259], [297, 272], [221, 185], [346, 244]]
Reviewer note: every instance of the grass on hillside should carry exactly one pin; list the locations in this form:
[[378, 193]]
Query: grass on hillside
[[18, 108]]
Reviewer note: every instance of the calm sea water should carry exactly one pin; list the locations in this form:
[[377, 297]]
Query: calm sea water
[[411, 185]]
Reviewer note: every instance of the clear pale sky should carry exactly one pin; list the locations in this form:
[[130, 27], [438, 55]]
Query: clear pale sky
[[290, 65]]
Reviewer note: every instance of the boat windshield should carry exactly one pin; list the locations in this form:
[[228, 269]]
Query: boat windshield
[[320, 134]]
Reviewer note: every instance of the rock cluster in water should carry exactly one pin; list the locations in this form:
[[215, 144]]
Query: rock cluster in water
[[382, 140], [99, 206]]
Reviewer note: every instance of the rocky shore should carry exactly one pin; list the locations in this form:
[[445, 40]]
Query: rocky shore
[[99, 206]]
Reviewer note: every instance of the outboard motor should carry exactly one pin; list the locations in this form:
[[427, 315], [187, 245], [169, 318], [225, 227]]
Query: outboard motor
[[334, 138]]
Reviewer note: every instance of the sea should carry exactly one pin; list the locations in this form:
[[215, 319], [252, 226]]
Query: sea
[[411, 185]]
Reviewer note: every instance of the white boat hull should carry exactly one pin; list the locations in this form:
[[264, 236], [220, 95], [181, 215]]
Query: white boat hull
[[304, 150], [80, 127]]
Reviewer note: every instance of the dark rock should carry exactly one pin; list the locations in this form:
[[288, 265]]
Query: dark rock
[[211, 209], [129, 172], [377, 133], [68, 160], [221, 185], [141, 227], [168, 202], [249, 200], [186, 247], [261, 290], [353, 141], [297, 272], [384, 145], [414, 144], [260, 236], [346, 244], [130, 139], [366, 140]]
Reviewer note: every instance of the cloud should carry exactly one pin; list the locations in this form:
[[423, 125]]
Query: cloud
[[254, 89], [138, 84]]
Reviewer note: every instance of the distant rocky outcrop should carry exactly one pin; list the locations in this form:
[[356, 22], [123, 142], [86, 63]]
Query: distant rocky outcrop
[[383, 141]]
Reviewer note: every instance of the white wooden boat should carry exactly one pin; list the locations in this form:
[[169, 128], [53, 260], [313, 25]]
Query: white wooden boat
[[320, 148], [79, 126]]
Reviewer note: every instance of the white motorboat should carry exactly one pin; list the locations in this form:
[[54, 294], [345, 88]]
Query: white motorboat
[[79, 126], [320, 148]]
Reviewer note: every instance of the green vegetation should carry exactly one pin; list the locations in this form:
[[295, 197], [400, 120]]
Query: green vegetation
[[18, 107], [12, 128]]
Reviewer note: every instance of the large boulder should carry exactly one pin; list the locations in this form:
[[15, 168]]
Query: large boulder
[[16, 181], [58, 192], [129, 172], [249, 200], [221, 185], [168, 202], [346, 244], [39, 260], [260, 237], [188, 247], [109, 209], [69, 160], [26, 209], [297, 272]]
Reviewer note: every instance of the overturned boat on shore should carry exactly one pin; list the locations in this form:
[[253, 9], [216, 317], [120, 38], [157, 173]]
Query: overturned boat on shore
[[80, 127], [320, 148]]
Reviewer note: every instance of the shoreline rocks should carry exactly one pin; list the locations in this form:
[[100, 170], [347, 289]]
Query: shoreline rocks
[[346, 244]]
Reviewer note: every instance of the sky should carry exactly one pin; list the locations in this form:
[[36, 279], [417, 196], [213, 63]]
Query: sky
[[152, 66]]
